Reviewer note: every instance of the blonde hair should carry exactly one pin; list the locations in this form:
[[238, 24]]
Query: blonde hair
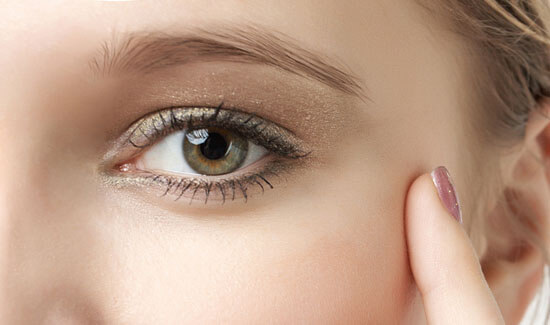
[[510, 40]]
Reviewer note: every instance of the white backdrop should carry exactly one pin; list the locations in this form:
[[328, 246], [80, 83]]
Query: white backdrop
[[544, 300]]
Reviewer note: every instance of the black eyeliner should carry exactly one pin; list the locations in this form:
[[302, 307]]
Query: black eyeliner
[[281, 143], [273, 137]]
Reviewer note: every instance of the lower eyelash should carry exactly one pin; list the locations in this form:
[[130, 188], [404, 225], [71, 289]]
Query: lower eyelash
[[227, 189], [178, 186]]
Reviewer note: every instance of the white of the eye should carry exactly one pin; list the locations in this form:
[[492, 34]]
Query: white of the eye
[[167, 155]]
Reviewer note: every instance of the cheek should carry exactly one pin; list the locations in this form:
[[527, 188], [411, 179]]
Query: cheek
[[330, 251], [326, 261], [338, 280], [344, 258]]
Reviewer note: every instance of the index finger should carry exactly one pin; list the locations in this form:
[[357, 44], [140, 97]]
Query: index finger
[[443, 260]]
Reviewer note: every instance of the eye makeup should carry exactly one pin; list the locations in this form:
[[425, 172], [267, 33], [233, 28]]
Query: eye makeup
[[312, 112], [283, 147], [300, 123], [262, 132]]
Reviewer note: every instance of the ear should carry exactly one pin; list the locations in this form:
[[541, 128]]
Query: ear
[[518, 227]]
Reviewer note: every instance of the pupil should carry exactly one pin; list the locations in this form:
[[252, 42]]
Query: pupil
[[214, 147]]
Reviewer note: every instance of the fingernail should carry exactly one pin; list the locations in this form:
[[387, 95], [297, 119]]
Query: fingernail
[[446, 190]]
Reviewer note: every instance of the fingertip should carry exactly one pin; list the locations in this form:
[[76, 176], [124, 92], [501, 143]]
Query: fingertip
[[443, 261], [429, 228]]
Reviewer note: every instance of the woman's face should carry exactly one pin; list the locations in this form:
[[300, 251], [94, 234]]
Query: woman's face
[[372, 91]]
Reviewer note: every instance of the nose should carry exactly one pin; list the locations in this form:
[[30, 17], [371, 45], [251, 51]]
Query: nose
[[44, 248], [4, 249]]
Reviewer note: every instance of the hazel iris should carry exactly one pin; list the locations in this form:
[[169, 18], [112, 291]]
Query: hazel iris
[[214, 151]]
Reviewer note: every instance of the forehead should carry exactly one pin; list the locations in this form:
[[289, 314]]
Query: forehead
[[354, 32], [399, 55]]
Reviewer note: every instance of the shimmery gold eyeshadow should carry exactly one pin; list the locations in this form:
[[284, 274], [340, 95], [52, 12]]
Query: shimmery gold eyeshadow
[[312, 112], [283, 147], [300, 117], [252, 127]]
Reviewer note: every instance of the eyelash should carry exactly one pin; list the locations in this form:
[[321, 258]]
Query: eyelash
[[180, 185], [276, 139]]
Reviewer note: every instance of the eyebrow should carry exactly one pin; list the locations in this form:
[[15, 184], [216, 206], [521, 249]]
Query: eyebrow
[[146, 52]]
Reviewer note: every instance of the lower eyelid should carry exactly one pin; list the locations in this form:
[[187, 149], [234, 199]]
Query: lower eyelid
[[241, 186], [255, 167], [257, 177]]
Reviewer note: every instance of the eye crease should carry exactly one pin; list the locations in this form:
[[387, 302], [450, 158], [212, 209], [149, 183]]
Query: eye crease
[[204, 151]]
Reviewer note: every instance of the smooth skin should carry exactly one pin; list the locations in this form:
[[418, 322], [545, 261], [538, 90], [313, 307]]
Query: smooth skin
[[327, 245]]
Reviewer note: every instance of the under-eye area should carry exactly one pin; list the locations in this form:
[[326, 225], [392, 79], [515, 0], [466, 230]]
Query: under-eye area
[[206, 153]]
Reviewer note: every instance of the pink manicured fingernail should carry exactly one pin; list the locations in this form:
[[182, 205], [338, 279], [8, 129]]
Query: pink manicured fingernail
[[446, 190]]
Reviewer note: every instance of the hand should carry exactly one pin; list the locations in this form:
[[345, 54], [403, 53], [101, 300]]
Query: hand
[[443, 261]]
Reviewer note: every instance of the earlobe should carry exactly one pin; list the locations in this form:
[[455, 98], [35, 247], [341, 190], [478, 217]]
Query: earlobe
[[515, 283]]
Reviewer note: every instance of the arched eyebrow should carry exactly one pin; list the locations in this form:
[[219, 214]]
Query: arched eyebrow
[[145, 52]]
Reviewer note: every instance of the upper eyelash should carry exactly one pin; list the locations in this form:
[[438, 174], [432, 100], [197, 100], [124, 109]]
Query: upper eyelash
[[278, 140], [271, 136]]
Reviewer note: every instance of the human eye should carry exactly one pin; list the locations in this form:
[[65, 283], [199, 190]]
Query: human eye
[[207, 153]]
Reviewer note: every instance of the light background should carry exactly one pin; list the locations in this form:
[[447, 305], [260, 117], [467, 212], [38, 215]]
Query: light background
[[544, 300]]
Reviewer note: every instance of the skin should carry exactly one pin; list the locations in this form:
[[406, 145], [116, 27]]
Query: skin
[[324, 246]]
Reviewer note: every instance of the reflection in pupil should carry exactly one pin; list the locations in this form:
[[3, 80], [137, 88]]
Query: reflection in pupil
[[214, 147]]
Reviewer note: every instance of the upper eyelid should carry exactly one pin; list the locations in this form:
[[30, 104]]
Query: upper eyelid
[[136, 123], [146, 130], [120, 161]]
